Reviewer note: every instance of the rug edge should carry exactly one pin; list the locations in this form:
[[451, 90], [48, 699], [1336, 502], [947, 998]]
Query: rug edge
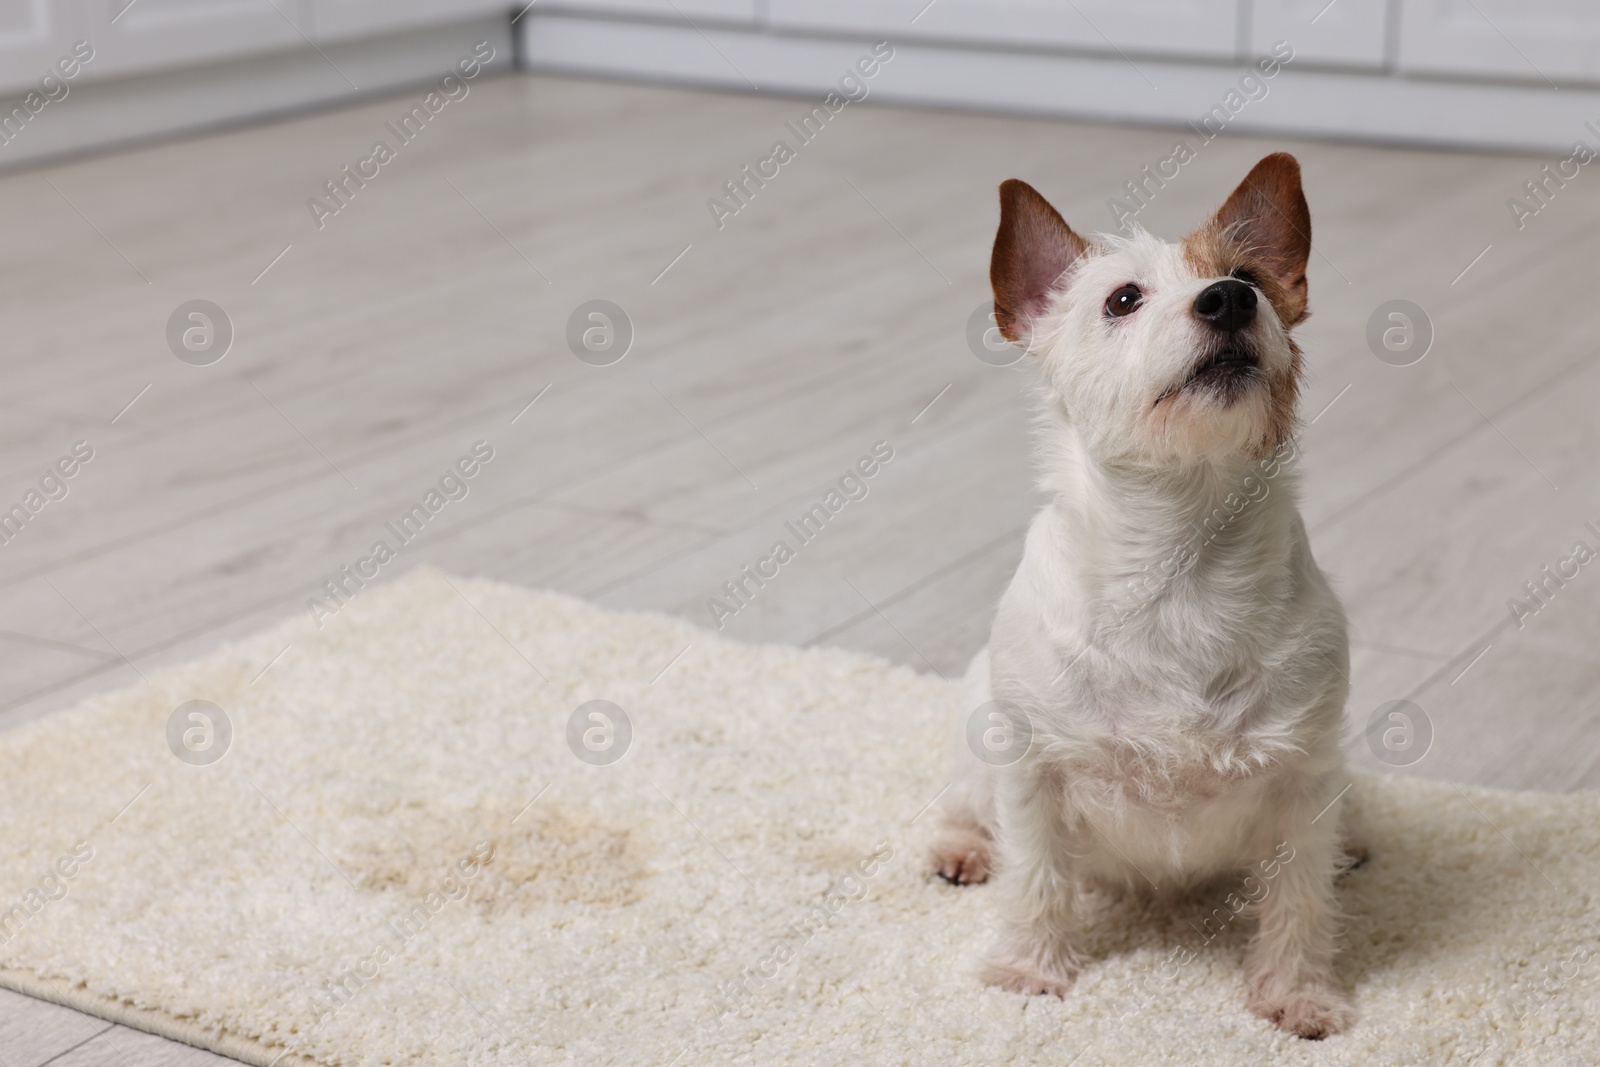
[[876, 659], [150, 1021]]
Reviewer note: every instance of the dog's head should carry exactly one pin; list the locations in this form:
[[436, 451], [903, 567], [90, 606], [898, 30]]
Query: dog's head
[[1159, 352]]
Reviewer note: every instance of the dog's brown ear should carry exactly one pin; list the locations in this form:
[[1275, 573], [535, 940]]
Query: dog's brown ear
[[1267, 219], [1032, 250]]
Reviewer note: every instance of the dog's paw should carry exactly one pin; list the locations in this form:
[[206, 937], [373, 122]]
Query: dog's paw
[[1312, 1013], [1028, 977], [963, 857]]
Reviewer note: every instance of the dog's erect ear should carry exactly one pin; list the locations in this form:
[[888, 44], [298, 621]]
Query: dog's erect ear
[[1267, 219], [1032, 250]]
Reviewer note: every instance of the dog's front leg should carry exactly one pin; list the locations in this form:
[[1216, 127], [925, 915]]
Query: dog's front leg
[[1289, 966], [1036, 886]]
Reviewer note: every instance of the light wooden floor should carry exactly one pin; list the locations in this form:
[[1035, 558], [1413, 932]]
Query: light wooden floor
[[827, 315]]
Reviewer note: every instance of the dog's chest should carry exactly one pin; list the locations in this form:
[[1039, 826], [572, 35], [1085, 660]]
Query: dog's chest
[[1167, 778], [1165, 759]]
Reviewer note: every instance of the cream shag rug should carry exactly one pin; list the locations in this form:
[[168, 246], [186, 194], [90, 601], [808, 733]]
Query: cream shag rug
[[745, 885]]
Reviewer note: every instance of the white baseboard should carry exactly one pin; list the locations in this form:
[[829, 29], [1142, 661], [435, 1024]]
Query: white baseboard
[[1301, 101], [96, 115]]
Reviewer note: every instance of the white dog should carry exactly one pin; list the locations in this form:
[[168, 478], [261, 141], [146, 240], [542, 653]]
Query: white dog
[[1168, 662]]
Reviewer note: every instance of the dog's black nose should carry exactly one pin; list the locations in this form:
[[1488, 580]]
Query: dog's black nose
[[1228, 305]]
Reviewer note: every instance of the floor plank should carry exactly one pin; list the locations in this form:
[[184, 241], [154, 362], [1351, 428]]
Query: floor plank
[[118, 1046], [33, 1031]]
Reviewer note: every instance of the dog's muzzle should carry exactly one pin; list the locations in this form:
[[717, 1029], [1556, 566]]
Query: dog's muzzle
[[1229, 307], [1226, 373]]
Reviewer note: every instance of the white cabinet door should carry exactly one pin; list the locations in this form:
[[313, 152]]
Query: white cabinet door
[[743, 11], [153, 34], [343, 19], [1531, 40], [1346, 33], [1207, 28], [33, 35]]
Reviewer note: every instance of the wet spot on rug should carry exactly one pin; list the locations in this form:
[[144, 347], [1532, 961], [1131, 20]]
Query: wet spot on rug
[[551, 855]]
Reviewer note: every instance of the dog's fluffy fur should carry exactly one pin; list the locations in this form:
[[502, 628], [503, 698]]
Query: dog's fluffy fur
[[1184, 678]]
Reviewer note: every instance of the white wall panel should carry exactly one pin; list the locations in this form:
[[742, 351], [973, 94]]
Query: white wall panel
[[744, 11], [1349, 33], [155, 34], [1529, 40], [1201, 28], [33, 35], [337, 20], [195, 96], [1302, 101]]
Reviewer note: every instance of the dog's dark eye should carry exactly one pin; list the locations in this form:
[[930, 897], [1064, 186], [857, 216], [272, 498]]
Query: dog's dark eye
[[1124, 301], [1247, 277]]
